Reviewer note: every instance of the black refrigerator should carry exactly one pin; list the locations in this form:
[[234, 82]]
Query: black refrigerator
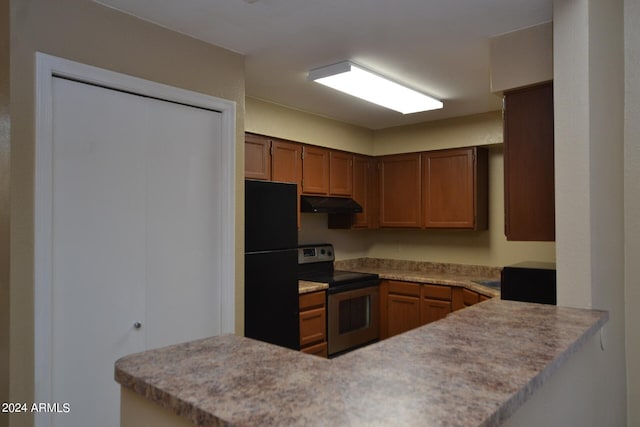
[[271, 263]]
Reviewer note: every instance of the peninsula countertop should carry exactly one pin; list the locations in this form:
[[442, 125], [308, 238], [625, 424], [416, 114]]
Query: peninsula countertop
[[473, 368]]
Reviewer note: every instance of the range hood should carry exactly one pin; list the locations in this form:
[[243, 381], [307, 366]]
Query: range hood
[[331, 205]]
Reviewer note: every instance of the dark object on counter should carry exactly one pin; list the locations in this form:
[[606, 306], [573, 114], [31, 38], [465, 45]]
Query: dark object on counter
[[529, 282], [331, 205], [271, 263]]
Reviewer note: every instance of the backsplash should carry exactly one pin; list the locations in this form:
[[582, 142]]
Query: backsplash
[[421, 266]]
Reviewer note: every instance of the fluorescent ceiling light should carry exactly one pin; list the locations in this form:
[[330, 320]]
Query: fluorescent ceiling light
[[357, 81]]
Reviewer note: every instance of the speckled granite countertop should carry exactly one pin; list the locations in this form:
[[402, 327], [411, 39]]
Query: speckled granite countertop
[[473, 368], [305, 286], [458, 275]]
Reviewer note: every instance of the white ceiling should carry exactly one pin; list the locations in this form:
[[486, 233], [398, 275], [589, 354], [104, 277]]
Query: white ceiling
[[438, 47]]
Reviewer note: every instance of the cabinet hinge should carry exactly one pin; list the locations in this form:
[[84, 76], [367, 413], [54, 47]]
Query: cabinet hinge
[[302, 154], [271, 150], [503, 106]]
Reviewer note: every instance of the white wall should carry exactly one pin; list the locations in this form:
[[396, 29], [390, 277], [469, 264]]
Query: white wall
[[521, 58], [588, 76], [632, 205]]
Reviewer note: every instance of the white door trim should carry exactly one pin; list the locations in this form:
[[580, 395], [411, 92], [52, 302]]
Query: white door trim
[[47, 67]]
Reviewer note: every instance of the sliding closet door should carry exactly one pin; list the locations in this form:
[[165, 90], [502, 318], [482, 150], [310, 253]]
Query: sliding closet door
[[135, 224]]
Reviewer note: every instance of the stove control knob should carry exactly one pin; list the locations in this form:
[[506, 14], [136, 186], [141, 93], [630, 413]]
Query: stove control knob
[[329, 253], [322, 251]]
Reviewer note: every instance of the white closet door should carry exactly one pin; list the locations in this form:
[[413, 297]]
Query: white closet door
[[134, 231], [183, 281]]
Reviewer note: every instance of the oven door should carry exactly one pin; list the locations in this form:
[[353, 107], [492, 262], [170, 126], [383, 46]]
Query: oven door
[[353, 318]]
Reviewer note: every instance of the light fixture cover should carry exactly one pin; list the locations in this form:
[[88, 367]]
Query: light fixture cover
[[357, 81]]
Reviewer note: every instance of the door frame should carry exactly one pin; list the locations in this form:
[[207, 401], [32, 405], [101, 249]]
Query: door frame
[[48, 67]]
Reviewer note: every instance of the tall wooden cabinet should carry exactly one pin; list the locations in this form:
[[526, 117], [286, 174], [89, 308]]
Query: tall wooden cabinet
[[528, 164]]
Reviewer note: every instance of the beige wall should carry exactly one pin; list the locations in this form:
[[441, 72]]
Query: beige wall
[[479, 129], [274, 120], [521, 58], [589, 107], [632, 206], [4, 206], [486, 247], [86, 32]]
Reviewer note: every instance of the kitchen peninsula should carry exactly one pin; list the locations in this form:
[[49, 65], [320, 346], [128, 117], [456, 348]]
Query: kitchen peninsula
[[474, 368]]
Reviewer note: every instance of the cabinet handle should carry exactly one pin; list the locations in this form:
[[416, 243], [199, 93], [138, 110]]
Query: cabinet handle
[[137, 325]]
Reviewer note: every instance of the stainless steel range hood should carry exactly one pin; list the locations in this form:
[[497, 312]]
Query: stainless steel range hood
[[331, 205]]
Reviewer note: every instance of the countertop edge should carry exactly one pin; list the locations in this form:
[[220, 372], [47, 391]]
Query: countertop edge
[[151, 386], [509, 407], [165, 399]]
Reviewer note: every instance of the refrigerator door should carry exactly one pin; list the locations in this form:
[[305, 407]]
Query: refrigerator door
[[271, 297], [270, 216]]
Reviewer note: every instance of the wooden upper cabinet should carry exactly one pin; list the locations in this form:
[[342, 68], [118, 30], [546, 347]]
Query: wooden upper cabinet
[[340, 173], [454, 188], [286, 161], [315, 170], [400, 188], [257, 157], [365, 185], [286, 165], [528, 164]]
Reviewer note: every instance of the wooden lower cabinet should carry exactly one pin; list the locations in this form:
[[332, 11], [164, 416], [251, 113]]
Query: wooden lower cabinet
[[435, 303], [313, 323], [402, 307], [407, 305], [462, 298]]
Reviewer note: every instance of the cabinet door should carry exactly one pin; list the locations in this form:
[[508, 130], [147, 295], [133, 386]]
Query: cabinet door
[[319, 350], [400, 187], [528, 164], [403, 307], [313, 322], [462, 298], [286, 160], [433, 310], [286, 165], [257, 157], [451, 180], [364, 191], [340, 173], [312, 326], [315, 170]]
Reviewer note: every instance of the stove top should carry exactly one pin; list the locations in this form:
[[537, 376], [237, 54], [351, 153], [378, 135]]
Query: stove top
[[315, 264]]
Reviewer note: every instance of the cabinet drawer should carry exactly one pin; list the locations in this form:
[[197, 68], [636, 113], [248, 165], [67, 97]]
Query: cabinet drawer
[[436, 292], [317, 350], [312, 326], [312, 300], [404, 288]]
